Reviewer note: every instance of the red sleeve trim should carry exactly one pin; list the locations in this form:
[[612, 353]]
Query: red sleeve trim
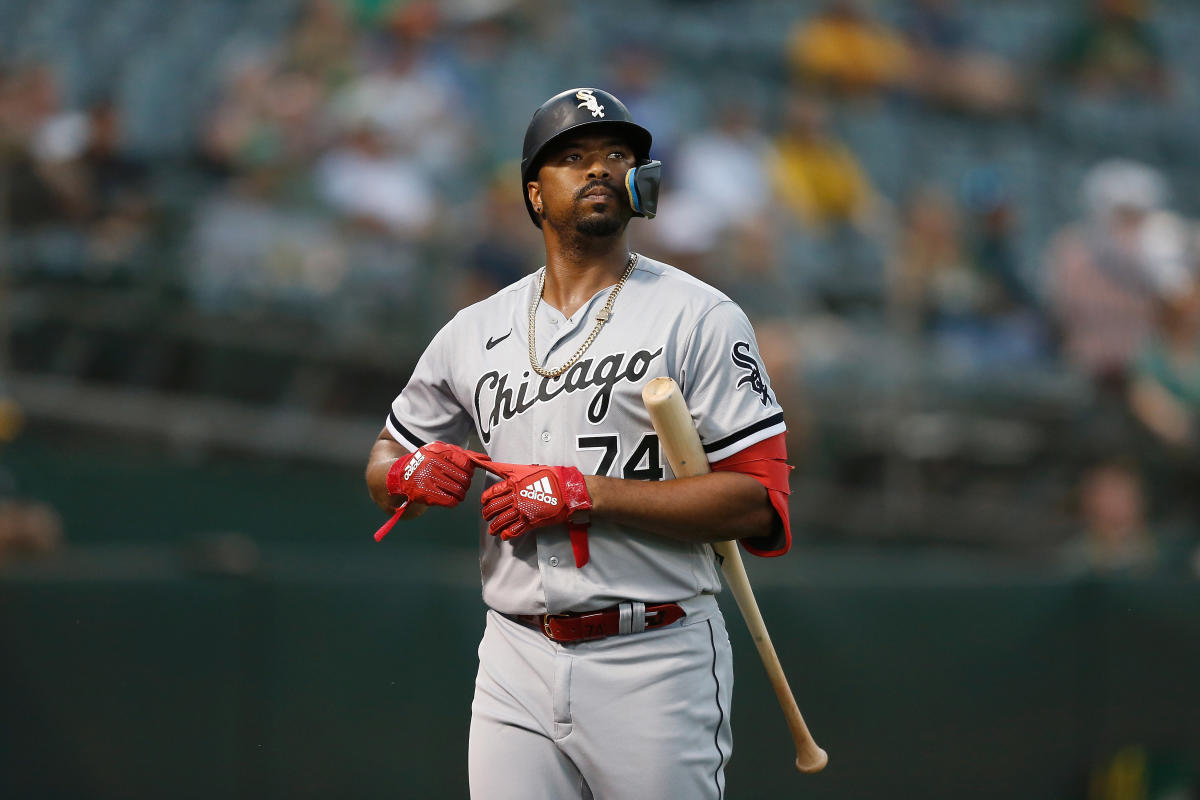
[[766, 462]]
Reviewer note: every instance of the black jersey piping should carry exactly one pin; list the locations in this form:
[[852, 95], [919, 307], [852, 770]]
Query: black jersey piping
[[405, 432], [721, 444]]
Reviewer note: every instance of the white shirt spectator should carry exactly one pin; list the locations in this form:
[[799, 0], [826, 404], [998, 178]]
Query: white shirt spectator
[[361, 180], [719, 181]]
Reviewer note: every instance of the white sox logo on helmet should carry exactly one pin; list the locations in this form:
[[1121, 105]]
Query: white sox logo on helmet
[[590, 102]]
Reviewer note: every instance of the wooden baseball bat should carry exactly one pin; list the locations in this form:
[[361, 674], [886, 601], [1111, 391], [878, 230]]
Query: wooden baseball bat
[[681, 444]]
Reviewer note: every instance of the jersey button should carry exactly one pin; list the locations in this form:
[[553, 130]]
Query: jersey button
[[554, 561], [546, 436]]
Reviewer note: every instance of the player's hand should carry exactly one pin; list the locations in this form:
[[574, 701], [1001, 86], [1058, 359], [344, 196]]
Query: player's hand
[[532, 496], [437, 474]]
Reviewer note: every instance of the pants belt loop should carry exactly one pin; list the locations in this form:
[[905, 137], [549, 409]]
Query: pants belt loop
[[625, 622], [639, 617]]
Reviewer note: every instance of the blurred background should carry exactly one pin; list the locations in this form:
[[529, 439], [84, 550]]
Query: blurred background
[[965, 231]]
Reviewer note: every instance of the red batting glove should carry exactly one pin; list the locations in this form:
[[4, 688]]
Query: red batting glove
[[437, 474], [532, 496]]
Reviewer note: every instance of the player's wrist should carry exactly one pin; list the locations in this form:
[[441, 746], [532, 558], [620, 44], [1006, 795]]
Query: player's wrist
[[575, 492], [604, 493]]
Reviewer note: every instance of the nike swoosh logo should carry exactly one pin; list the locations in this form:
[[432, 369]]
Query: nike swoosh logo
[[493, 342]]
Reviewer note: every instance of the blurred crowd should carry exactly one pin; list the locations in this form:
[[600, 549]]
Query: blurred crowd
[[914, 211]]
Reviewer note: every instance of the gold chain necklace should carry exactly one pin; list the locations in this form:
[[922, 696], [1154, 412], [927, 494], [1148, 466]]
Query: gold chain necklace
[[601, 318]]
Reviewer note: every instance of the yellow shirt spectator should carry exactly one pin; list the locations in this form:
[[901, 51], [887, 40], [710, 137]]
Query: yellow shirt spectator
[[820, 181], [849, 52], [814, 175]]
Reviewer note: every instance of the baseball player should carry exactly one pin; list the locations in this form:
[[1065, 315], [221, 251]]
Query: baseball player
[[605, 667]]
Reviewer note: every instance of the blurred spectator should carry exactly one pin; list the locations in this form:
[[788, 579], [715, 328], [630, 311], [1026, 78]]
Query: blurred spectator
[[750, 270], [934, 282], [1164, 397], [505, 247], [641, 80], [410, 98], [966, 299], [375, 187], [498, 66], [112, 188], [1014, 328], [848, 52], [752, 273], [73, 181], [267, 115], [1108, 272], [817, 178], [718, 182], [1112, 50], [1164, 391], [992, 226], [322, 42], [1114, 535], [29, 97], [949, 69], [30, 109], [249, 251], [27, 527]]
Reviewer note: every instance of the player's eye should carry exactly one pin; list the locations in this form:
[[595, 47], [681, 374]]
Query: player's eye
[[571, 157], [617, 154]]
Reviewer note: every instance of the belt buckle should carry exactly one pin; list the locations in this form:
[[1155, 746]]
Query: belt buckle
[[546, 626]]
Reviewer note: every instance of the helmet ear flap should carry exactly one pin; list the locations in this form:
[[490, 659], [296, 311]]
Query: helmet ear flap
[[642, 184]]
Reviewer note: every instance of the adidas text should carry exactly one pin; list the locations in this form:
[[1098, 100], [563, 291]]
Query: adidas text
[[413, 463], [541, 491], [540, 496]]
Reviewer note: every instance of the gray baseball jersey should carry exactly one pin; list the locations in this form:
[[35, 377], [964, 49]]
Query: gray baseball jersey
[[475, 375]]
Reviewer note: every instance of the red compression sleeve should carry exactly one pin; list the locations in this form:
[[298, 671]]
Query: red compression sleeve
[[766, 462]]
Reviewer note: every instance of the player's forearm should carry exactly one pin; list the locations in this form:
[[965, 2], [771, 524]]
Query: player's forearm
[[383, 454], [715, 507]]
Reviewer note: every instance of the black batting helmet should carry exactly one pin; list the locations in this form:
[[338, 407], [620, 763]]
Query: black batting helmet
[[573, 109]]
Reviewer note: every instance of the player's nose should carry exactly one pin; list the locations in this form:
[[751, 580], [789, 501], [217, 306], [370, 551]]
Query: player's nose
[[598, 166]]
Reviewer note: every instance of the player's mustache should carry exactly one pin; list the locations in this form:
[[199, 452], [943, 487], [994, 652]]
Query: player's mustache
[[596, 184]]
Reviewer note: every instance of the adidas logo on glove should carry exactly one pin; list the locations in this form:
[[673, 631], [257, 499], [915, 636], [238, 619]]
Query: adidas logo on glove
[[413, 463], [540, 491]]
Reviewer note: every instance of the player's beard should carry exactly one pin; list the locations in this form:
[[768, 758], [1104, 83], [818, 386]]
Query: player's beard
[[595, 223], [600, 226]]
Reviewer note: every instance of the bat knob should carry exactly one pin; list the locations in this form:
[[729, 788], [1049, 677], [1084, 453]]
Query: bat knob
[[815, 762]]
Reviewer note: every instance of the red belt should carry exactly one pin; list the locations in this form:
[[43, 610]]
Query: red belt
[[585, 626]]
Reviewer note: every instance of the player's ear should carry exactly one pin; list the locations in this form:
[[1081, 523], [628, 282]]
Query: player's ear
[[533, 190]]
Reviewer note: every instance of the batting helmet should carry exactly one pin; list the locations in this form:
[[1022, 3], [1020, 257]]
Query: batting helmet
[[573, 109]]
